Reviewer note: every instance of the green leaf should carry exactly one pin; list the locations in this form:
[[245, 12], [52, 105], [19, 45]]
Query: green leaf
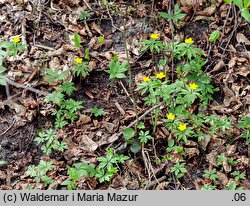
[[2, 81], [77, 40], [239, 3], [97, 112], [245, 14], [135, 147], [228, 1], [246, 4], [214, 36], [128, 133], [171, 143]]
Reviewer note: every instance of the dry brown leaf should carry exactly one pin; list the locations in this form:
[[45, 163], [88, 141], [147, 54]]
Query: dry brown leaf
[[107, 139], [241, 38], [95, 28], [191, 152], [83, 119], [162, 186], [219, 66], [86, 143], [226, 166], [212, 158], [222, 178], [205, 142]]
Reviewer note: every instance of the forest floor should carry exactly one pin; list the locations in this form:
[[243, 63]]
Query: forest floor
[[51, 30]]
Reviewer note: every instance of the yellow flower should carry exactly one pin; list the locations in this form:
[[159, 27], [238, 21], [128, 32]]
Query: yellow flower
[[146, 79], [154, 36], [170, 116], [16, 39], [193, 86], [78, 60], [160, 75], [189, 41], [182, 127]]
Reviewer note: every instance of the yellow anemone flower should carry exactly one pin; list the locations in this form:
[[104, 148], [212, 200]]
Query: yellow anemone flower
[[182, 127], [160, 75], [171, 116], [78, 60], [146, 79], [16, 39], [189, 41], [155, 36], [193, 86]]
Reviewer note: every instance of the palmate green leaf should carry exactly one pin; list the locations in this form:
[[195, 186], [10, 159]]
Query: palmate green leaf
[[67, 87], [55, 75], [165, 15], [55, 97], [77, 40]]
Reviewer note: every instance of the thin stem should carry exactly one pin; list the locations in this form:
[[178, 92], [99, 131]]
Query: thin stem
[[130, 77]]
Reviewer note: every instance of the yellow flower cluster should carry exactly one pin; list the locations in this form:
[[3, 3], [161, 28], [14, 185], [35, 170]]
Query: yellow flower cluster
[[155, 36], [182, 127], [170, 116], [160, 75], [78, 60], [193, 86], [189, 41], [146, 79], [16, 39]]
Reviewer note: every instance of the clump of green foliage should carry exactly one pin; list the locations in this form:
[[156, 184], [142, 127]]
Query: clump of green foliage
[[49, 140], [104, 171]]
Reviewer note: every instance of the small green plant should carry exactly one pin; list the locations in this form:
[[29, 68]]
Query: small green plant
[[84, 15], [80, 68], [39, 172], [104, 171], [212, 175], [77, 40], [243, 6], [54, 75], [244, 124], [97, 112], [117, 69], [8, 49], [238, 175], [208, 187], [179, 170], [176, 16], [49, 140], [101, 39], [214, 36], [144, 137], [233, 186], [76, 172], [153, 44], [107, 166]]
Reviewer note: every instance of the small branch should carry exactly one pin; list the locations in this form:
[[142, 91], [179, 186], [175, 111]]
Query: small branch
[[155, 182], [24, 87], [87, 5], [111, 19]]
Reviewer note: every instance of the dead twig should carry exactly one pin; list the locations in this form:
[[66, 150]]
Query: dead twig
[[8, 128], [87, 4], [25, 87], [155, 182]]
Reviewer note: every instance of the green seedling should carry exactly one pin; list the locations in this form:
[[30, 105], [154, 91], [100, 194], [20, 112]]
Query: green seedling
[[179, 170], [97, 112], [117, 69]]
